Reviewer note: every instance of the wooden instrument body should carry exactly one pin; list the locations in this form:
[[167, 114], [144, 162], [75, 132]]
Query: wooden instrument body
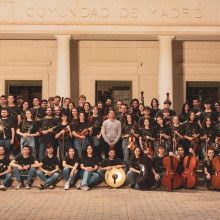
[[115, 177], [66, 131], [149, 146], [84, 132], [171, 180], [131, 144], [195, 144], [216, 176]]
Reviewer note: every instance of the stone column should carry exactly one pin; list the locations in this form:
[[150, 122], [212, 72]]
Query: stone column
[[63, 65], [165, 78]]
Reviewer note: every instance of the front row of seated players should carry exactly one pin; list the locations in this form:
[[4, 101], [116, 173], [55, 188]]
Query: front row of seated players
[[24, 166]]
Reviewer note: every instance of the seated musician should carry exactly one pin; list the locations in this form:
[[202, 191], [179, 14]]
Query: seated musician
[[158, 169], [89, 165], [208, 169], [109, 162], [24, 166], [70, 165], [48, 169], [5, 168]]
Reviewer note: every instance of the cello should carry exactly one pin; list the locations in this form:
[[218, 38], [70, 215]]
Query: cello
[[171, 179], [189, 176], [216, 175]]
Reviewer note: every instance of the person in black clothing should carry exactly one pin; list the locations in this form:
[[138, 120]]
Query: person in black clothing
[[24, 107], [5, 168], [100, 109], [122, 115], [57, 114], [196, 108], [48, 170], [24, 165], [184, 113], [154, 107], [3, 102], [7, 131], [47, 126], [19, 100], [69, 111], [43, 104], [147, 111], [70, 167], [87, 110], [158, 168], [208, 169], [135, 110], [82, 100], [28, 129], [37, 111], [141, 109], [109, 162], [89, 165], [167, 104]]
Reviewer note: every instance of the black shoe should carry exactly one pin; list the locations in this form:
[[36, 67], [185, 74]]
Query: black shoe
[[131, 186], [41, 186], [157, 186]]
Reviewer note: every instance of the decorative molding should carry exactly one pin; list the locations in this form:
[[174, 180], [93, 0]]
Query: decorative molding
[[115, 64], [23, 64]]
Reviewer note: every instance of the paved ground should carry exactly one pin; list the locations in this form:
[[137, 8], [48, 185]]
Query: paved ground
[[103, 203]]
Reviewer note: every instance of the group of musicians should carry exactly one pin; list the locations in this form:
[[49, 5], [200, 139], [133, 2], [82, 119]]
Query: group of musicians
[[134, 138]]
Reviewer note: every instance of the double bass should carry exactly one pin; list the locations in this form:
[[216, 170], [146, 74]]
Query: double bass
[[216, 175], [171, 179]]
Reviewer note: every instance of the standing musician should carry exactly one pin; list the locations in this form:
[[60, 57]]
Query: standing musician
[[69, 109], [19, 100], [208, 169], [122, 115], [163, 135], [67, 100], [24, 165], [154, 107], [191, 132], [44, 103], [135, 110], [167, 103], [108, 105], [208, 135], [24, 107], [111, 133], [57, 100], [166, 117], [51, 101], [74, 116], [57, 114], [196, 108], [87, 110], [82, 100], [141, 109], [64, 136], [118, 107], [5, 168], [95, 122], [47, 126], [184, 113], [147, 112], [7, 131], [108, 163], [3, 101], [129, 131], [28, 129], [100, 109], [158, 168], [147, 136], [81, 132]]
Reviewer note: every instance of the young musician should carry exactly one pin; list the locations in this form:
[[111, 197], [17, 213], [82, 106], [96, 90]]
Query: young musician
[[109, 162], [129, 129], [95, 122], [24, 165], [82, 100], [24, 107], [19, 100], [66, 103], [87, 110], [28, 129], [69, 110], [207, 113], [122, 115], [100, 109], [7, 131], [166, 117], [167, 104], [75, 117], [37, 111], [57, 100], [147, 111], [196, 108], [81, 132], [154, 107], [89, 165], [141, 109], [158, 169], [111, 133], [184, 113], [118, 108], [3, 101], [51, 102], [208, 168], [57, 114], [44, 103], [5, 168], [135, 110], [47, 126], [48, 170], [70, 167]]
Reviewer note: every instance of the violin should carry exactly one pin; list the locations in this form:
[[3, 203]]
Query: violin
[[90, 120], [189, 176], [84, 132], [131, 144], [149, 146], [66, 131], [171, 179], [16, 145], [195, 143], [216, 176]]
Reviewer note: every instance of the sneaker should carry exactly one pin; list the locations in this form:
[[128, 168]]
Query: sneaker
[[79, 186], [51, 186], [41, 186], [67, 186], [28, 186], [18, 186], [2, 187], [85, 187]]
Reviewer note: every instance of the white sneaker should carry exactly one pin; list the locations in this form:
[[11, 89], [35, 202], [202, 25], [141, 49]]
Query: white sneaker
[[18, 186], [85, 187], [67, 186], [2, 187], [79, 186]]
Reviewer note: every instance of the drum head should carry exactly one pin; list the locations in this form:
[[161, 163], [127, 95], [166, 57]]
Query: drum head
[[115, 177]]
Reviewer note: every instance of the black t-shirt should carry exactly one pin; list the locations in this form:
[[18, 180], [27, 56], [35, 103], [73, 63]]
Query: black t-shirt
[[134, 163], [96, 124], [158, 164], [80, 127], [211, 133], [164, 130], [38, 112], [90, 161], [218, 129], [24, 161], [4, 163], [45, 124], [160, 113], [8, 124], [183, 117], [107, 162], [49, 164], [126, 129], [205, 114], [121, 118], [13, 114], [67, 137], [209, 167], [191, 128], [178, 129], [142, 119], [70, 161], [154, 112], [28, 127]]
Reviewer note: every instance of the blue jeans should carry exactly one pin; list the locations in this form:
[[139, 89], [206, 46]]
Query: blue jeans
[[161, 175], [18, 174], [132, 177], [97, 146], [79, 145], [42, 150], [102, 173], [6, 178], [89, 178], [6, 144], [66, 174], [47, 179], [126, 151], [30, 141]]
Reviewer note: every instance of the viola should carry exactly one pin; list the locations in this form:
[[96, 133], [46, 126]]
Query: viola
[[131, 144], [216, 176], [171, 179], [195, 144], [84, 132], [66, 131], [189, 176]]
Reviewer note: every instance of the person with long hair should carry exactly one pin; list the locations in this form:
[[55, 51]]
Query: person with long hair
[[208, 169], [87, 110], [28, 129], [89, 165], [69, 109], [141, 109], [70, 167], [24, 107], [184, 113], [74, 117], [135, 110], [154, 107]]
